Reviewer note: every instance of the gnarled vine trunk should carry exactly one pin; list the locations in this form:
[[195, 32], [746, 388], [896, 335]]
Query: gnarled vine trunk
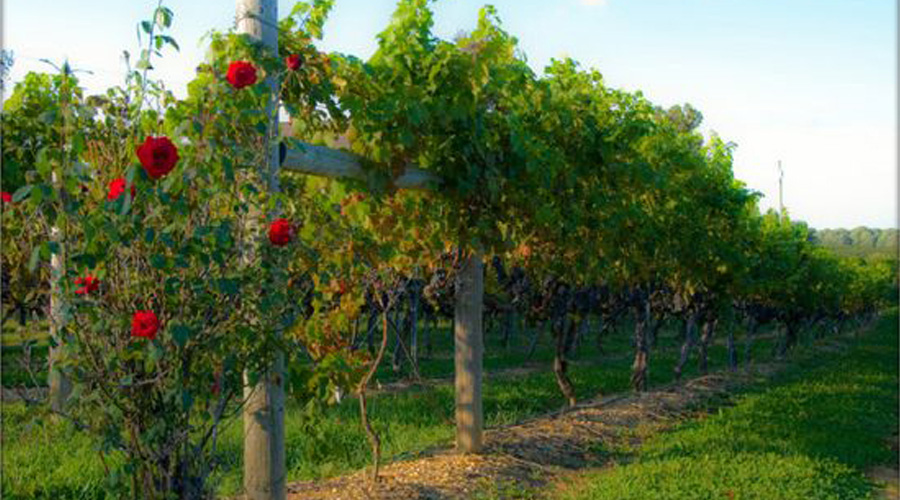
[[709, 328], [690, 338], [564, 329], [601, 331], [732, 352], [790, 337], [538, 329], [374, 440], [413, 319], [752, 327], [640, 366]]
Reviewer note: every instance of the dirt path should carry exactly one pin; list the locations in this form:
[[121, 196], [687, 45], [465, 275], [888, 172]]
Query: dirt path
[[888, 476], [533, 453]]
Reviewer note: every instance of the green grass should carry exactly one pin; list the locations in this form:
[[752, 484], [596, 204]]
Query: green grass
[[810, 436], [14, 366], [13, 363], [14, 333], [51, 461], [45, 460]]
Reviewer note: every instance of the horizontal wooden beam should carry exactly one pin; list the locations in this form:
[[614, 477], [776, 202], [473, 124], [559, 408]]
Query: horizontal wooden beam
[[327, 162]]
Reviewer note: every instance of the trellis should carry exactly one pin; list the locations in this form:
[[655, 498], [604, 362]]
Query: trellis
[[264, 446]]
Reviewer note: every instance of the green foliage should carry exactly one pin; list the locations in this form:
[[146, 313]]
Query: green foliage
[[47, 459], [189, 246], [29, 121], [860, 242]]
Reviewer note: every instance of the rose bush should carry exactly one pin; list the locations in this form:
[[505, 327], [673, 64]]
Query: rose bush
[[204, 271], [190, 297]]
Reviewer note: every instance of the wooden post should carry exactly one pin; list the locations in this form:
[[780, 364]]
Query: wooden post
[[60, 386], [264, 452], [263, 412], [325, 162], [468, 338]]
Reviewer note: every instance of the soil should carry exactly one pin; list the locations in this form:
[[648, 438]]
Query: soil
[[888, 477], [533, 453]]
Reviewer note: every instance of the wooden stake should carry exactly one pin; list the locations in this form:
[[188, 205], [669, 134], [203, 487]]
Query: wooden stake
[[263, 412], [468, 339], [60, 385], [264, 454]]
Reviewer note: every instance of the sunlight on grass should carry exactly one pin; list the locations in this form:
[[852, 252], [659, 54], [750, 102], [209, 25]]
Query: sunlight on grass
[[809, 437]]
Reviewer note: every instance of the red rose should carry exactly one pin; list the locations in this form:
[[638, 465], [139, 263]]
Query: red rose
[[116, 188], [88, 284], [5, 197], [158, 156], [280, 232], [241, 74], [293, 62], [144, 324]]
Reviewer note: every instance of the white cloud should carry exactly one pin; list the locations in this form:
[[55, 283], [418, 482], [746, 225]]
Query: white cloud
[[594, 3]]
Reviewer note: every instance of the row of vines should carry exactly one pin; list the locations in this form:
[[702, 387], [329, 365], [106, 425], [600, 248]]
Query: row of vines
[[181, 273]]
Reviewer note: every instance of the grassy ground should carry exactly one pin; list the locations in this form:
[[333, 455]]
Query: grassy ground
[[53, 461], [14, 365], [813, 435]]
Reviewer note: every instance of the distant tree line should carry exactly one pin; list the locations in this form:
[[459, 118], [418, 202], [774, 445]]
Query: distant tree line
[[861, 242]]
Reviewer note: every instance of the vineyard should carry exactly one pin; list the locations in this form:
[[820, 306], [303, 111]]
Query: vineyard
[[442, 262]]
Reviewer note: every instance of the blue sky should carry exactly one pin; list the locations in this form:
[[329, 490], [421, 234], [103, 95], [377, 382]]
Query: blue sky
[[809, 82]]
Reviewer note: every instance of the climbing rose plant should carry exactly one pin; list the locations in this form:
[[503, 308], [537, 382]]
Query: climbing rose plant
[[181, 274], [170, 298]]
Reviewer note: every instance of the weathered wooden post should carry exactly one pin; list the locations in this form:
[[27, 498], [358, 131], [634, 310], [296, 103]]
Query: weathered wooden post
[[263, 412], [60, 386], [469, 347]]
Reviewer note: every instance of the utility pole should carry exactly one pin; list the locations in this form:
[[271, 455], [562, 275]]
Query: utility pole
[[780, 191]]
